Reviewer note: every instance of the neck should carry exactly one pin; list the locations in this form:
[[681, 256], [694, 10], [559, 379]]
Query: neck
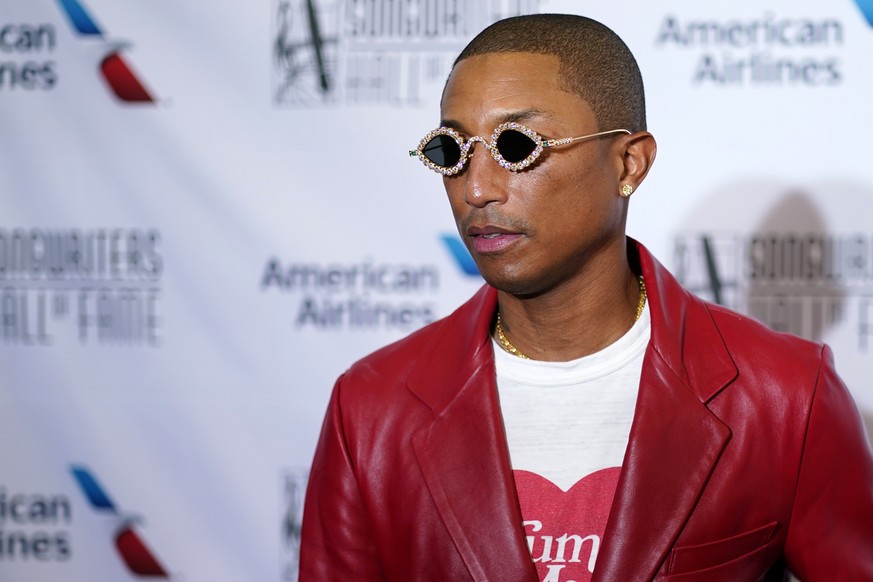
[[581, 317]]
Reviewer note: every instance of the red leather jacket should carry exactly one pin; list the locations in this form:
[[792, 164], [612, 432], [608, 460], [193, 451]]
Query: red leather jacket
[[746, 455]]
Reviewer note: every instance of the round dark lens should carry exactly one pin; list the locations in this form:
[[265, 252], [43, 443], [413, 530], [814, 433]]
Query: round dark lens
[[443, 151], [514, 146]]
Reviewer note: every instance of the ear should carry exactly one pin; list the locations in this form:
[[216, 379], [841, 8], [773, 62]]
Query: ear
[[639, 151]]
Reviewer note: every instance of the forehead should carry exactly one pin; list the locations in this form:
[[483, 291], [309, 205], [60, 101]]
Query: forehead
[[494, 87]]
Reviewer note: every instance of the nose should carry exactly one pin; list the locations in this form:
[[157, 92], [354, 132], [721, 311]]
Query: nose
[[484, 180]]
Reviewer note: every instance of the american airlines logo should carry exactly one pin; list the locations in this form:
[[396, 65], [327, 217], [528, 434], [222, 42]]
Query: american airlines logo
[[460, 254], [866, 7], [131, 548], [124, 83]]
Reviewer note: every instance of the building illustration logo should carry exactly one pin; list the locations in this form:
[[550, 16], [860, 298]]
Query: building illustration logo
[[138, 558], [303, 54], [121, 79]]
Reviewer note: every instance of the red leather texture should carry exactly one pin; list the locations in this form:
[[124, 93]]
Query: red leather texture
[[746, 454]]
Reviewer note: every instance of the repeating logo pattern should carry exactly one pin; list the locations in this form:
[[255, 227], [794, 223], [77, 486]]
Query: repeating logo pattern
[[123, 82], [133, 551], [866, 7], [378, 52], [460, 254], [766, 49], [802, 283], [293, 494]]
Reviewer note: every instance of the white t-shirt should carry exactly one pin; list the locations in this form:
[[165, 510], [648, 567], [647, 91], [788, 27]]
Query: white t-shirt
[[567, 426]]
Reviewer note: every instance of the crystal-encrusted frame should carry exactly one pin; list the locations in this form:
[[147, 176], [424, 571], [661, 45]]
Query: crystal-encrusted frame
[[445, 171], [465, 145]]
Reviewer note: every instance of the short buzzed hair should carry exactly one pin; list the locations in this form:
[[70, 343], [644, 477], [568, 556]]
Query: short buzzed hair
[[595, 63]]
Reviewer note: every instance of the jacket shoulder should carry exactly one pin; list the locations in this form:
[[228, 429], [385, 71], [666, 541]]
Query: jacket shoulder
[[397, 358], [773, 366], [747, 337]]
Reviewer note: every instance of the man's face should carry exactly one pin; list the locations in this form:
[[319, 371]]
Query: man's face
[[532, 231]]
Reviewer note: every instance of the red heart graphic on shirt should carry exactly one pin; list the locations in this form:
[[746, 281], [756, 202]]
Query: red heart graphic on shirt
[[564, 529]]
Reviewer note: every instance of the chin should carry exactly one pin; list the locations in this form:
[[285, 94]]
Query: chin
[[512, 283]]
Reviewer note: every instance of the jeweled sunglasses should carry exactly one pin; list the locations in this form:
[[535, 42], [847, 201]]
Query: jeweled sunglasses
[[512, 145]]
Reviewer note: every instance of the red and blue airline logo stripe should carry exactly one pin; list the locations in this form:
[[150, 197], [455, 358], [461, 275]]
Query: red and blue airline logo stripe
[[138, 558], [123, 82]]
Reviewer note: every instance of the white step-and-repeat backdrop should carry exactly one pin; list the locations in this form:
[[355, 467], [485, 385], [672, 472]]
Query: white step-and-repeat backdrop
[[208, 213]]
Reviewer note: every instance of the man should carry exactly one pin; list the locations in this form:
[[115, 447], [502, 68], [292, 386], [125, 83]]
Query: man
[[582, 413]]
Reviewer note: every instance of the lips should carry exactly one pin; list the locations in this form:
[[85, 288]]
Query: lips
[[491, 239]]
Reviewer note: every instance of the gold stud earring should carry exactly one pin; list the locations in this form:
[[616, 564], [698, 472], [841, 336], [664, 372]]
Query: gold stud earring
[[627, 190]]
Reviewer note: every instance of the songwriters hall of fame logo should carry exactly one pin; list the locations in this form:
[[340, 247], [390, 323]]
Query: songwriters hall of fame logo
[[805, 283], [96, 287], [293, 490], [374, 52]]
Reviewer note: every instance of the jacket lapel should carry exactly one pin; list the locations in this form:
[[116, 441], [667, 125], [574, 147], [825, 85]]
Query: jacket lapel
[[675, 441], [674, 445], [462, 450]]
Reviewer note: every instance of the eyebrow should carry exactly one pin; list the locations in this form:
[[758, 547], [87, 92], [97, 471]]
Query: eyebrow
[[514, 116]]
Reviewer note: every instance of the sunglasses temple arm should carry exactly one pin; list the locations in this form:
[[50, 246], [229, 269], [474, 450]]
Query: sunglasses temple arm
[[559, 142]]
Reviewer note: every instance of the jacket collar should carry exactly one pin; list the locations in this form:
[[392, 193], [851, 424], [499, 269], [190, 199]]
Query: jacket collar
[[681, 326], [464, 458], [464, 339], [462, 450], [458, 350]]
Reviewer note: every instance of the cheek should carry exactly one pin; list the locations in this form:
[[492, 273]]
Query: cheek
[[575, 201], [550, 193], [594, 185]]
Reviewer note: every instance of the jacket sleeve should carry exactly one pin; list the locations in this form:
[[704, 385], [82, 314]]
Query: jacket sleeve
[[830, 536], [337, 542]]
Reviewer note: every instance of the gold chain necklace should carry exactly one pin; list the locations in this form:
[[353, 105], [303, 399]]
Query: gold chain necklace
[[508, 347]]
